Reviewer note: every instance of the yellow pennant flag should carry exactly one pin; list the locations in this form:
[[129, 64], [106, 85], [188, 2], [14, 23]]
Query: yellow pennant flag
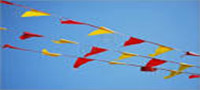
[[63, 41], [184, 66], [34, 13], [113, 62], [101, 30], [45, 52], [125, 55], [1, 28], [161, 50], [172, 74]]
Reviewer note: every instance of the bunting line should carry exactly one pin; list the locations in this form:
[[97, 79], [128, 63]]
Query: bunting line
[[192, 75], [96, 49], [100, 30]]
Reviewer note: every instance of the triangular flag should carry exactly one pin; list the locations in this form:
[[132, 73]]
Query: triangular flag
[[70, 22], [45, 52], [6, 2], [80, 61], [1, 28], [119, 63], [161, 50], [27, 35], [194, 76], [148, 69], [95, 50], [34, 13], [191, 54], [125, 55], [63, 41], [101, 30], [133, 41], [12, 47], [184, 66], [155, 62], [172, 74]]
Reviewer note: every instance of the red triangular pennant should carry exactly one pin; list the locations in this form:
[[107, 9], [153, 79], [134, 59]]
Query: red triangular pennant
[[133, 41], [27, 35], [155, 62], [6, 2], [194, 76], [70, 22], [148, 69], [95, 50], [12, 47], [191, 54], [81, 61]]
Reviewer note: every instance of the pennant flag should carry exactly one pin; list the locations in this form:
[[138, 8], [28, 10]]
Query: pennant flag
[[63, 41], [148, 69], [172, 74], [184, 66], [6, 2], [161, 50], [70, 22], [114, 63], [101, 30], [27, 35], [34, 13], [133, 41], [47, 53], [126, 55], [1, 28], [191, 54], [155, 62], [12, 47], [194, 76], [95, 50], [80, 61]]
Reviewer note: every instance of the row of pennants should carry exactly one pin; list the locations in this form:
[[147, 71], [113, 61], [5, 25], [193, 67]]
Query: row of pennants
[[102, 30], [149, 67]]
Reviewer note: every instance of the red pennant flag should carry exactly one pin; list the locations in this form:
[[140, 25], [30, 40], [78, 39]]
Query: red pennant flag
[[194, 76], [27, 35], [12, 47], [155, 62], [81, 61], [191, 54], [148, 69], [133, 41], [95, 50], [70, 22], [6, 2]]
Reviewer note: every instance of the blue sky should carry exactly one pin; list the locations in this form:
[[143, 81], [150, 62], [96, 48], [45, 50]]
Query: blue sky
[[172, 23]]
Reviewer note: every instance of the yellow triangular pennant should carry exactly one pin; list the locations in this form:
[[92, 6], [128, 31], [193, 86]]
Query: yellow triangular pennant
[[172, 74], [45, 52], [125, 55], [101, 30], [113, 62], [184, 66], [63, 41], [161, 50], [34, 13], [1, 28]]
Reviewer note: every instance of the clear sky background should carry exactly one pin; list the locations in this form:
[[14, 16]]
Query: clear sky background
[[171, 23]]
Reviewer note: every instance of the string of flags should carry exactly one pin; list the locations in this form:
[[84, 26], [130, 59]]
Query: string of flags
[[149, 67], [101, 30], [83, 60], [97, 50]]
